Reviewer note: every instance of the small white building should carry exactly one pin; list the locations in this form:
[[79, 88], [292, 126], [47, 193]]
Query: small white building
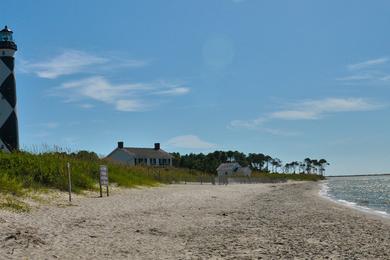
[[245, 171], [140, 156], [233, 168]]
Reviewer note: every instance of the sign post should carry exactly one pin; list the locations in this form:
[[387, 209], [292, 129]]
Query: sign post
[[69, 182], [103, 180]]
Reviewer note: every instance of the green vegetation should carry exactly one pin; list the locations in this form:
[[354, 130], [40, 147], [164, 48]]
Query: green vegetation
[[294, 177], [13, 204], [21, 172], [257, 161]]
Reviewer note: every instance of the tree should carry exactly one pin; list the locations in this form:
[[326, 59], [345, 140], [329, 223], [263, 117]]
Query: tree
[[322, 163], [315, 165], [268, 160], [256, 160], [294, 165], [308, 165], [276, 163]]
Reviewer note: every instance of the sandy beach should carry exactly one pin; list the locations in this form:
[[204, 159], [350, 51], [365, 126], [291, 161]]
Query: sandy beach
[[193, 221]]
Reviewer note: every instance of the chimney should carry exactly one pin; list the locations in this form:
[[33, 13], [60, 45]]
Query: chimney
[[120, 145], [156, 146]]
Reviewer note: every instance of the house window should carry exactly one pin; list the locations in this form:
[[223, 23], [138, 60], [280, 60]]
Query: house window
[[153, 161]]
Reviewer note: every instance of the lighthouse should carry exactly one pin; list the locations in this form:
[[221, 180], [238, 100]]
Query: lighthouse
[[9, 137]]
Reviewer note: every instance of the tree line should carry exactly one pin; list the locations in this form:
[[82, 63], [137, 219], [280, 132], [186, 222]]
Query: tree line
[[257, 161]]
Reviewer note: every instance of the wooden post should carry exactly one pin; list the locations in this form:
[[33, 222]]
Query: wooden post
[[100, 184], [69, 183]]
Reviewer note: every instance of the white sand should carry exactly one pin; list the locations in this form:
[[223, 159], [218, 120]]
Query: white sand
[[196, 221]]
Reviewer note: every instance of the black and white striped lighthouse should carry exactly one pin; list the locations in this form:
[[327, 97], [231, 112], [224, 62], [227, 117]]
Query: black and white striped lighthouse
[[9, 137]]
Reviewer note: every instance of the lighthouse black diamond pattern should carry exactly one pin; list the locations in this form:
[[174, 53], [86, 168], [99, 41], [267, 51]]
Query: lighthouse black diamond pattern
[[8, 119]]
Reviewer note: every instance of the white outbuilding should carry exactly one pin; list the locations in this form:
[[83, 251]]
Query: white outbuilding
[[233, 168]]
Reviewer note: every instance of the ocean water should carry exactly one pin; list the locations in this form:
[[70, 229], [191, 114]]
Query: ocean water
[[368, 193]]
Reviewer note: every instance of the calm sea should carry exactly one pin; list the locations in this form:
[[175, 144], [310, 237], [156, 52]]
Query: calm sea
[[369, 193]]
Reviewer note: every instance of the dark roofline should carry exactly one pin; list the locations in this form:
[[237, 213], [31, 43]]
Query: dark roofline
[[125, 149], [6, 29]]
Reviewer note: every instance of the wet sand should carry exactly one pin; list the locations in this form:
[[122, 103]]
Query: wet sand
[[268, 221]]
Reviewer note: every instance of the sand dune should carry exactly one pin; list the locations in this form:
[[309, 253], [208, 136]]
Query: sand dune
[[196, 221]]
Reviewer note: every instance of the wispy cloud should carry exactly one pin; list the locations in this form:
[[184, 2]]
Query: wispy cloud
[[173, 91], [368, 63], [190, 142], [308, 110], [124, 97], [374, 71], [357, 77], [74, 62], [314, 109], [249, 124]]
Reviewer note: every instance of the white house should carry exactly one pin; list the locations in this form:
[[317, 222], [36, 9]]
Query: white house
[[233, 168], [140, 156]]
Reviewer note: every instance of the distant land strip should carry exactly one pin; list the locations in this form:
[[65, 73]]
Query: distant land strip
[[359, 175]]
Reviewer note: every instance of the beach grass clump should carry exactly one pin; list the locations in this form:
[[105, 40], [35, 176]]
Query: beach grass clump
[[13, 204], [11, 185]]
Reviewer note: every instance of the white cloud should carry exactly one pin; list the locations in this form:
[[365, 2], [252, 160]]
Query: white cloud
[[314, 109], [367, 72], [129, 105], [249, 124], [190, 142], [174, 91], [308, 110], [357, 77], [73, 61], [294, 114], [368, 63], [123, 97]]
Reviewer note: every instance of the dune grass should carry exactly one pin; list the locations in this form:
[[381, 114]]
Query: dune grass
[[14, 204], [24, 171], [21, 171]]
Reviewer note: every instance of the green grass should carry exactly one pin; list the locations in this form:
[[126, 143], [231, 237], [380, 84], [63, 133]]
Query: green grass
[[23, 171], [295, 177], [15, 205]]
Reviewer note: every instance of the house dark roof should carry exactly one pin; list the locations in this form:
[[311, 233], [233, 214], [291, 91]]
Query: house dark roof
[[228, 167], [147, 153]]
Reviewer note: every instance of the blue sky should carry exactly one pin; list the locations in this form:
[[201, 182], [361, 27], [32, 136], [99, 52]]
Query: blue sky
[[292, 79]]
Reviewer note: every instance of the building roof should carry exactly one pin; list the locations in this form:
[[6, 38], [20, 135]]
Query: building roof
[[6, 29], [147, 153], [227, 167]]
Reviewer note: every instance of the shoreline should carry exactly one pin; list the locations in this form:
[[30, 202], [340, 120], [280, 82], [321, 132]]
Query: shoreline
[[192, 221], [323, 193]]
